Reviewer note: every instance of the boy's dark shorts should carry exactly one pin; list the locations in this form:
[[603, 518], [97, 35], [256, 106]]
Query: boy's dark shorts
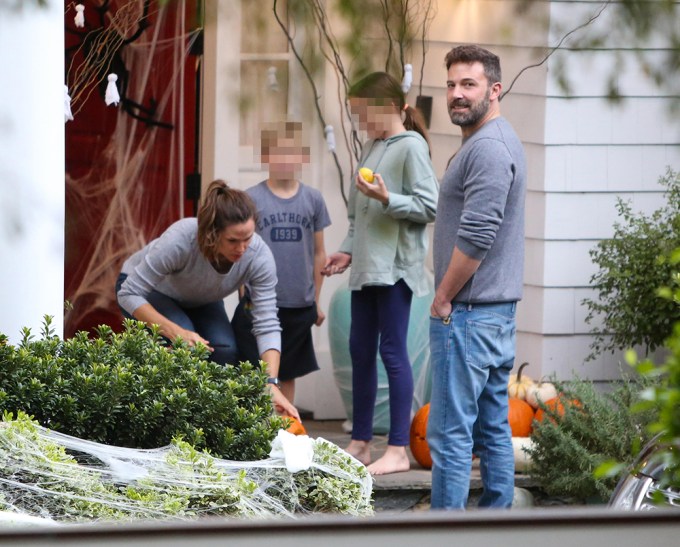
[[297, 349]]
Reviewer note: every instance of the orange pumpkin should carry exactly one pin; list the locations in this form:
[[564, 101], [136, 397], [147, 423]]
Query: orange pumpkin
[[556, 405], [520, 416], [294, 426], [418, 442]]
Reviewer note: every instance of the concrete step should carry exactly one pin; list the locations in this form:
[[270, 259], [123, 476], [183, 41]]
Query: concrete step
[[409, 490]]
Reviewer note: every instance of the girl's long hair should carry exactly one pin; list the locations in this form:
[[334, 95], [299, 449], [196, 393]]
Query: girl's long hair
[[384, 89]]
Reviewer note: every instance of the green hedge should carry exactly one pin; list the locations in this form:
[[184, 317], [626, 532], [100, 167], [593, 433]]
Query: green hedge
[[129, 389], [629, 309]]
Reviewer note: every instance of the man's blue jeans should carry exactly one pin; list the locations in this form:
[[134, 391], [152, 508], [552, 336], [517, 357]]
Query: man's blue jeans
[[472, 354]]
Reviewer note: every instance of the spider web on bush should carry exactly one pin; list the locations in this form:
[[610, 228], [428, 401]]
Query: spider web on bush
[[64, 479]]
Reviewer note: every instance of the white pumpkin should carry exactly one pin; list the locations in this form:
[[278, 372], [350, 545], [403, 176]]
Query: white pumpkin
[[518, 384], [520, 445], [542, 391], [522, 498]]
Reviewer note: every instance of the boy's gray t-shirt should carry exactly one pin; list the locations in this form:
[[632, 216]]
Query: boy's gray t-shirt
[[288, 226]]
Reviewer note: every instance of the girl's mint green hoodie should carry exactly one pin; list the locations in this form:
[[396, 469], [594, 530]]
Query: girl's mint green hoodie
[[389, 242]]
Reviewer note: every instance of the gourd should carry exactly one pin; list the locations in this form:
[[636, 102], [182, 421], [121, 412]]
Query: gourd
[[541, 391], [522, 498], [418, 442], [518, 384], [520, 445], [367, 174], [520, 416], [294, 426]]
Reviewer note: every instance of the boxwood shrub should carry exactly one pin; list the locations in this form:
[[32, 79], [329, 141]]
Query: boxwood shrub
[[130, 389]]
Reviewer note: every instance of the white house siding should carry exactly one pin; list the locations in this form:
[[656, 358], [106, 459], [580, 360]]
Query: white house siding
[[582, 153], [594, 152]]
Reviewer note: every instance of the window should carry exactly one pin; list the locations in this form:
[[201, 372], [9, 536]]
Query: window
[[264, 67]]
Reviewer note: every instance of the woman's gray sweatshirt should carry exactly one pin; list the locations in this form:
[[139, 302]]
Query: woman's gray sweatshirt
[[173, 265]]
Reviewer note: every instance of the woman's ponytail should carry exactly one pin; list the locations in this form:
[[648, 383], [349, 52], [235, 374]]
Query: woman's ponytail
[[221, 207]]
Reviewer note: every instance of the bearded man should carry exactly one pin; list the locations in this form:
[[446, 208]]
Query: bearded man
[[478, 258]]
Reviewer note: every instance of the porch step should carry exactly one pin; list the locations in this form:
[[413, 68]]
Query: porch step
[[401, 491]]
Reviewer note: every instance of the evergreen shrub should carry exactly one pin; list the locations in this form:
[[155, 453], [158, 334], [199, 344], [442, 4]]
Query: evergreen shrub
[[596, 427], [665, 396], [130, 389], [633, 265]]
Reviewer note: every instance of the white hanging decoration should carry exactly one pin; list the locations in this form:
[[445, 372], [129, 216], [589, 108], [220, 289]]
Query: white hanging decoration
[[272, 79], [68, 115], [79, 19], [330, 137], [408, 78], [112, 97]]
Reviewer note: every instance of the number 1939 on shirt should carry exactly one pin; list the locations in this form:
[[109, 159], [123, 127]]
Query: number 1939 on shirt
[[286, 234]]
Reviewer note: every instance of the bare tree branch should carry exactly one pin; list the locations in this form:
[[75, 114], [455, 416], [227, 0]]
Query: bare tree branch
[[315, 92], [557, 47]]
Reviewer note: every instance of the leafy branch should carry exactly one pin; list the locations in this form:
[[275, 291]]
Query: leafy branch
[[318, 14], [633, 264]]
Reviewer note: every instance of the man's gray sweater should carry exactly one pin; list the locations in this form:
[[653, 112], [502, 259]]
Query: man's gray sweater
[[481, 211]]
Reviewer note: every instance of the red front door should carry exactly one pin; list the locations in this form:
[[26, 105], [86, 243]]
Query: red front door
[[126, 165]]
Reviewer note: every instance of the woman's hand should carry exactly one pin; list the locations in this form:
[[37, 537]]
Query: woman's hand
[[336, 263], [282, 405], [190, 337], [374, 190], [171, 330]]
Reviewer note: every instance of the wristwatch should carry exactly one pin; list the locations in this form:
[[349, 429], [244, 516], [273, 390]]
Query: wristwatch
[[274, 382]]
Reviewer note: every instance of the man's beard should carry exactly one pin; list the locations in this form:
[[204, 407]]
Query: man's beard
[[471, 117]]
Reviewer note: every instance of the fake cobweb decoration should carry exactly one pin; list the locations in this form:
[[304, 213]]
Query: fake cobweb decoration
[[62, 479], [116, 210]]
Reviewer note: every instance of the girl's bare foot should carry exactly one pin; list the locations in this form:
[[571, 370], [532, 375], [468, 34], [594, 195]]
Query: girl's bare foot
[[394, 460], [361, 450]]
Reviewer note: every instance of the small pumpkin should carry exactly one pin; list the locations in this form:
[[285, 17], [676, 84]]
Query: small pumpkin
[[523, 461], [418, 442], [294, 426], [522, 498], [518, 384], [520, 416], [556, 405], [541, 391]]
